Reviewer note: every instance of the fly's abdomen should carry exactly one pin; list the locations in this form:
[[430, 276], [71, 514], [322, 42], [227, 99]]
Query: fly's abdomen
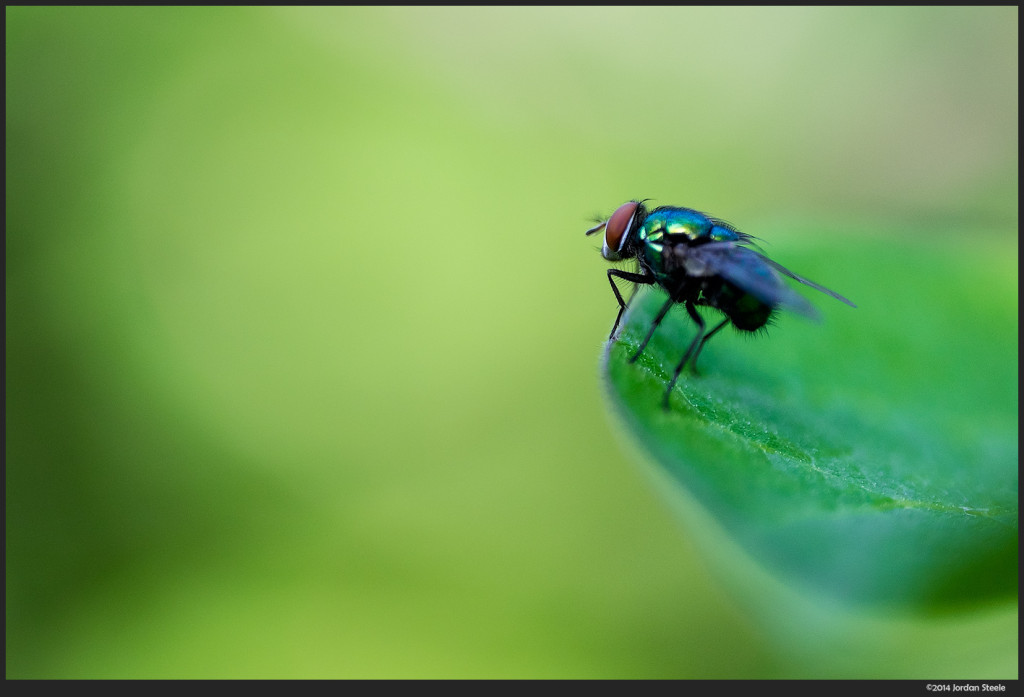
[[745, 311]]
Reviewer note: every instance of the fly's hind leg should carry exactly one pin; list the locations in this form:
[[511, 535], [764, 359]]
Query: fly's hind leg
[[700, 347], [694, 349]]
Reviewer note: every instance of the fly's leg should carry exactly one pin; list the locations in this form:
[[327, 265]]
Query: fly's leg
[[693, 360], [626, 276], [693, 351], [686, 356], [654, 325]]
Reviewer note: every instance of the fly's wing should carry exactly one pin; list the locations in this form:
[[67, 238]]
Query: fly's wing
[[746, 269], [800, 279]]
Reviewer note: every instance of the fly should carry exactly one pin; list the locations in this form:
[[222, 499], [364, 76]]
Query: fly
[[699, 261]]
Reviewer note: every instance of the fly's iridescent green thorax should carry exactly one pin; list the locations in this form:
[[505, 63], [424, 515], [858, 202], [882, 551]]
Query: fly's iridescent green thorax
[[668, 224]]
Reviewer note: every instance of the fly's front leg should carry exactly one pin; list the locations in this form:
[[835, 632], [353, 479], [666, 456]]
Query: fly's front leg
[[627, 276]]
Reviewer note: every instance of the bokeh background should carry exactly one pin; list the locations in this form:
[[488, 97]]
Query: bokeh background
[[303, 331]]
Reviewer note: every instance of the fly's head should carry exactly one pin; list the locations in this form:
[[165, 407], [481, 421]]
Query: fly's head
[[620, 231]]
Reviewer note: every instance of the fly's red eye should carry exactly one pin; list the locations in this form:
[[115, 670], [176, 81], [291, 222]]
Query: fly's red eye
[[615, 232]]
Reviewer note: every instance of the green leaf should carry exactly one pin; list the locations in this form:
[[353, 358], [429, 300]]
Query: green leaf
[[869, 460]]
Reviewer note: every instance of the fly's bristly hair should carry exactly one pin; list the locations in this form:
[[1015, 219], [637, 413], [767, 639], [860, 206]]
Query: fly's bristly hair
[[762, 331]]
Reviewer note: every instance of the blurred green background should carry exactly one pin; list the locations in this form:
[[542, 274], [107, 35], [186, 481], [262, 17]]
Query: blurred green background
[[303, 330]]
